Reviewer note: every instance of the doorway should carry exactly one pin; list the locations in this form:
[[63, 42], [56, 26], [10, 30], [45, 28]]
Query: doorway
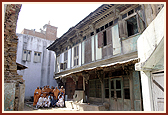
[[116, 94]]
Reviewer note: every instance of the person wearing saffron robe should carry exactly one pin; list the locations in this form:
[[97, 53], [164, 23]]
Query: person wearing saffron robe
[[37, 94], [48, 90], [56, 91], [44, 91]]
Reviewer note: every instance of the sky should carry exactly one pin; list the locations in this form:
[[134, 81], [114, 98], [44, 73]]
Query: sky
[[63, 16]]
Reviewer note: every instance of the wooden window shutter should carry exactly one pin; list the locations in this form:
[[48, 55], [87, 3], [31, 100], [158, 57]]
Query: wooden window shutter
[[122, 28], [100, 40], [65, 66], [24, 56], [140, 23], [61, 65], [109, 36]]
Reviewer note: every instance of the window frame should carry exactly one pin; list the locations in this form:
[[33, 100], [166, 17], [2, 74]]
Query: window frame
[[122, 24], [37, 58], [65, 60], [96, 90], [26, 55], [76, 56]]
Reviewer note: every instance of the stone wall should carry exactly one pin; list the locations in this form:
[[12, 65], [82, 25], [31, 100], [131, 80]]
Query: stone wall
[[10, 49]]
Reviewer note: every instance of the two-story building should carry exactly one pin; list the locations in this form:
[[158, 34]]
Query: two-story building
[[96, 58], [32, 53]]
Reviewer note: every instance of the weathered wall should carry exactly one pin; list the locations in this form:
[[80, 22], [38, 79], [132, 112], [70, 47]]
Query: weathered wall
[[49, 34], [10, 49], [37, 74], [9, 98], [33, 33], [151, 44]]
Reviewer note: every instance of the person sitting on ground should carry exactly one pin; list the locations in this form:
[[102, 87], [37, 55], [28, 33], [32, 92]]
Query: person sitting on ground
[[40, 102], [47, 102], [53, 102], [60, 102]]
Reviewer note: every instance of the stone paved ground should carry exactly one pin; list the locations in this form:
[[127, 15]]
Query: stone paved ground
[[29, 107]]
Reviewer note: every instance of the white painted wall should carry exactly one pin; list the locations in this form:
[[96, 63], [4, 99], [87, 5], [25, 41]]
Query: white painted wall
[[37, 74], [72, 57], [116, 40], [80, 54], [98, 50], [146, 45], [93, 46], [83, 52], [69, 58], [151, 37]]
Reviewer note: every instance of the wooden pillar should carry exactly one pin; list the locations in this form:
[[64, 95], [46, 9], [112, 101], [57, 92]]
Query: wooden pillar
[[131, 91], [101, 77]]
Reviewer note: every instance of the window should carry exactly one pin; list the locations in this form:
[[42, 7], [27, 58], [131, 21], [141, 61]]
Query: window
[[37, 57], [92, 33], [84, 38], [95, 88], [131, 26], [97, 30], [65, 60], [126, 89], [102, 28], [106, 84], [106, 26], [26, 55], [104, 38], [111, 23], [76, 55]]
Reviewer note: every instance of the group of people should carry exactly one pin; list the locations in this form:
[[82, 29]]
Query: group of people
[[46, 97]]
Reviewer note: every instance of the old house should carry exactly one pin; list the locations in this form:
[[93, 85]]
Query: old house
[[95, 59], [151, 65], [32, 52]]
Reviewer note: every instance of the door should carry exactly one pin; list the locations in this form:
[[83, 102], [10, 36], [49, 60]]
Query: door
[[158, 91], [116, 94]]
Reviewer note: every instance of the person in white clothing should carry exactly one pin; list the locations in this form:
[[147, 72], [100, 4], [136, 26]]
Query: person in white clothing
[[60, 102], [40, 102], [47, 102]]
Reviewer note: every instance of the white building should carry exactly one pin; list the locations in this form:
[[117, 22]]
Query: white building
[[150, 47], [32, 52]]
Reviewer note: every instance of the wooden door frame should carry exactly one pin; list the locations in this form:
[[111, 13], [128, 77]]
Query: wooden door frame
[[122, 98]]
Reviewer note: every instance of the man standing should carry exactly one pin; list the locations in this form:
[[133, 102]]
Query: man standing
[[37, 94], [56, 91]]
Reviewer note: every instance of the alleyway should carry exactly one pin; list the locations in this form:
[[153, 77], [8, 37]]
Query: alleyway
[[29, 107]]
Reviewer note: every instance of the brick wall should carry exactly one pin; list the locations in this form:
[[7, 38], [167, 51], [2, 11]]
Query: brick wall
[[49, 34], [10, 49], [33, 33]]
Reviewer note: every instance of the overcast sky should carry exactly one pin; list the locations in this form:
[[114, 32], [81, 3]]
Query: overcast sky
[[63, 16]]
